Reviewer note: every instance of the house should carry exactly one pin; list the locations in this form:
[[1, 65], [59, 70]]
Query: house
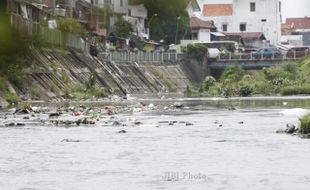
[[239, 16], [298, 33], [287, 29], [248, 39], [117, 9], [27, 10], [137, 14], [299, 24], [193, 7], [201, 30], [25, 15]]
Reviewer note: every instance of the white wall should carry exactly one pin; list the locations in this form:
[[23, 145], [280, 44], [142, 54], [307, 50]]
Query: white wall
[[138, 11], [118, 8], [265, 9], [204, 35]]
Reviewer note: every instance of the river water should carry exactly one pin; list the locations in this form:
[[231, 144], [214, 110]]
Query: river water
[[223, 149]]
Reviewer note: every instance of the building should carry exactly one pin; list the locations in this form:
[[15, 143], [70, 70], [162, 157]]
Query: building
[[296, 31], [248, 39], [137, 14], [25, 16], [201, 30], [299, 24], [242, 16], [193, 8]]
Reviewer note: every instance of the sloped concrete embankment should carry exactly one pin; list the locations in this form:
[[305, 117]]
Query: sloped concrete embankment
[[53, 71]]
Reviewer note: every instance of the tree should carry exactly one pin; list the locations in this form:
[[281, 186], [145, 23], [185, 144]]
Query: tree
[[123, 28], [164, 26]]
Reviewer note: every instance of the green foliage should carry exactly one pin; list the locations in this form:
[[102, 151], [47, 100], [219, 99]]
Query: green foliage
[[80, 92], [11, 98], [295, 90], [288, 79], [69, 25], [227, 91], [64, 77], [3, 85], [305, 124], [245, 90], [207, 83], [35, 92], [54, 67], [164, 26], [191, 92], [123, 28], [197, 51], [91, 82], [14, 52], [233, 74]]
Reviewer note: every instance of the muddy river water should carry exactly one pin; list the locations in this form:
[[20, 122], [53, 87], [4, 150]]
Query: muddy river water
[[198, 148]]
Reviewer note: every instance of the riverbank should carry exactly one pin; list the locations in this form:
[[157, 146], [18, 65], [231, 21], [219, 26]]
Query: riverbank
[[285, 79]]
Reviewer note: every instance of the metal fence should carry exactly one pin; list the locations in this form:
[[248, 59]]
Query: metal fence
[[142, 56]]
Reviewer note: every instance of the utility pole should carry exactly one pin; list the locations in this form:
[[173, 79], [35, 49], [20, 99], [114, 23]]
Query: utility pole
[[176, 31], [149, 24]]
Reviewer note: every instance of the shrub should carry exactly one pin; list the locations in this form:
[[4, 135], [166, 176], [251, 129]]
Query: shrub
[[191, 92], [233, 73], [12, 99], [305, 124], [275, 73], [123, 28], [295, 90], [245, 90], [227, 92], [91, 82], [197, 51], [207, 83], [69, 25]]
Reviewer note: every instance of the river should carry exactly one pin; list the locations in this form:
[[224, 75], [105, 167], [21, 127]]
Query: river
[[218, 149]]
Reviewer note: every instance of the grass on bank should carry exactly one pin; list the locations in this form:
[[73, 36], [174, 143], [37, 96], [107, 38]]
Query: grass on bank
[[288, 79], [305, 124]]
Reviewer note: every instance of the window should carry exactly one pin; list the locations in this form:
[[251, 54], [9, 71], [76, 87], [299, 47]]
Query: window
[[224, 27], [243, 27], [252, 7], [121, 3], [129, 12]]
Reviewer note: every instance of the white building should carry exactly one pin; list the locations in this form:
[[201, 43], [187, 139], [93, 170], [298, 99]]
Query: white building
[[235, 16], [137, 14]]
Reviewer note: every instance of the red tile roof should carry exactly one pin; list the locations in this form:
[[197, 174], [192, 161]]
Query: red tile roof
[[299, 23], [218, 10], [197, 23], [248, 35], [286, 29]]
